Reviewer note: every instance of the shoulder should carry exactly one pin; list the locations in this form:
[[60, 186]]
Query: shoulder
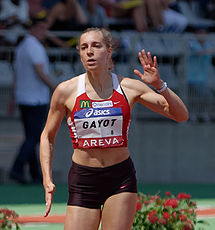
[[133, 88], [67, 87], [132, 84], [65, 94]]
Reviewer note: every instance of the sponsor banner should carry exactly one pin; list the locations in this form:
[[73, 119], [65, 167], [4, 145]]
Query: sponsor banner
[[102, 104], [100, 142], [100, 112], [85, 104]]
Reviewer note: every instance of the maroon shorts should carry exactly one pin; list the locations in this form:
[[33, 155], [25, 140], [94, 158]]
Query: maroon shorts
[[91, 186]]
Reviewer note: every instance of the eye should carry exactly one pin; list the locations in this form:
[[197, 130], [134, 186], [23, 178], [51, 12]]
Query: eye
[[97, 45], [83, 47]]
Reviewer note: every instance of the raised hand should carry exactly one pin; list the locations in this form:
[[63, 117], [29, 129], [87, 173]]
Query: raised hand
[[151, 75]]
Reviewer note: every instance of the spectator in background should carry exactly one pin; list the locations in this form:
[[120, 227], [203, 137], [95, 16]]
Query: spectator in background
[[203, 7], [163, 18], [208, 7], [127, 9], [66, 15], [15, 15], [199, 64], [32, 93], [2, 27], [95, 13], [48, 4], [35, 6]]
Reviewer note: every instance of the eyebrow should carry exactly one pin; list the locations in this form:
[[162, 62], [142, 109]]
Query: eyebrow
[[94, 42]]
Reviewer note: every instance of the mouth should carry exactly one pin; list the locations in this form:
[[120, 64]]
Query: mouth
[[91, 61]]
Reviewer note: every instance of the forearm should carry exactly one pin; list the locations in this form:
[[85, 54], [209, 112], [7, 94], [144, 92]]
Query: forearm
[[46, 157], [175, 107]]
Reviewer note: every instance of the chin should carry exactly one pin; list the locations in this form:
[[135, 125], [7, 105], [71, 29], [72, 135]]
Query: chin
[[92, 68]]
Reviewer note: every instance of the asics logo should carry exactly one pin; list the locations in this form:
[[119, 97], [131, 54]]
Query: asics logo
[[97, 112], [89, 113]]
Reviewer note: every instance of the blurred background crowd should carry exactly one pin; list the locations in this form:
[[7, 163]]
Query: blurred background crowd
[[128, 18], [180, 32], [176, 16]]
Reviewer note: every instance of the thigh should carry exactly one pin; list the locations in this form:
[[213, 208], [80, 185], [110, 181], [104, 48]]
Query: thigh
[[79, 218], [119, 211]]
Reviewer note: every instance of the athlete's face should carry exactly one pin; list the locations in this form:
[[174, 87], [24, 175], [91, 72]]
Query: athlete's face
[[93, 51]]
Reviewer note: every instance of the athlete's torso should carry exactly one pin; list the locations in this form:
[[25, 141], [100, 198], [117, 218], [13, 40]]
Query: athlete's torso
[[99, 123]]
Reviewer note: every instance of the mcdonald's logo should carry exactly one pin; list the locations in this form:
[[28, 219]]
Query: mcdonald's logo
[[85, 104]]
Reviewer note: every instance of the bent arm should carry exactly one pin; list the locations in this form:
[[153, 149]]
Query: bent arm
[[167, 104]]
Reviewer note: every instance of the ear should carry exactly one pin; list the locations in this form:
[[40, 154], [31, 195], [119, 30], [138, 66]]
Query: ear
[[110, 53], [110, 61], [111, 65], [110, 50]]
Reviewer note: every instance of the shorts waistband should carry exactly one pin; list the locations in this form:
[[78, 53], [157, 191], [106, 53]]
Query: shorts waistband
[[111, 167]]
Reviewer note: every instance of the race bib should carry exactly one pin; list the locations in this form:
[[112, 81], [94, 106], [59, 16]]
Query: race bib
[[99, 127]]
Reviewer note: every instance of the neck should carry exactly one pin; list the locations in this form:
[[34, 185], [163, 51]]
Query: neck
[[100, 80], [101, 84]]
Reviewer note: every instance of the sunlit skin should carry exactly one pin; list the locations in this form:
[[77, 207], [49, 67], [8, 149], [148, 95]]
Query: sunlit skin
[[95, 53]]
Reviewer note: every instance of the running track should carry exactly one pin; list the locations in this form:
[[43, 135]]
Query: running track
[[201, 213]]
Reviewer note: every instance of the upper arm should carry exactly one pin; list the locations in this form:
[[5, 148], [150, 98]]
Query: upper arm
[[56, 114], [137, 91], [155, 102]]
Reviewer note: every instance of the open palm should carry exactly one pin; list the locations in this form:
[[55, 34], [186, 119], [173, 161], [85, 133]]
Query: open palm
[[151, 75]]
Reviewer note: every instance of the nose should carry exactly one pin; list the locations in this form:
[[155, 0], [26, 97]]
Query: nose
[[90, 50]]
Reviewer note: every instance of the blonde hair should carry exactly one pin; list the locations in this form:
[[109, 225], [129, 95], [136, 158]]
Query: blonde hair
[[108, 40]]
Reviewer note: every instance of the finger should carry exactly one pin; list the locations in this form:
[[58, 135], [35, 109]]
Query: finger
[[145, 58], [141, 59], [49, 197], [155, 62], [150, 58], [138, 73], [48, 208]]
